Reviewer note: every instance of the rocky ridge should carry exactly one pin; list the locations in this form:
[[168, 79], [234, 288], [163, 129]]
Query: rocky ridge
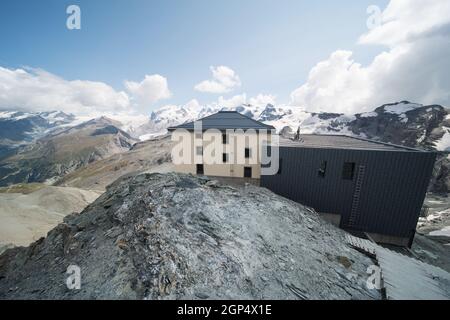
[[175, 236]]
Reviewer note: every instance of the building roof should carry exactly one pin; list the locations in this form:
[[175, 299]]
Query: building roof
[[226, 120], [341, 142]]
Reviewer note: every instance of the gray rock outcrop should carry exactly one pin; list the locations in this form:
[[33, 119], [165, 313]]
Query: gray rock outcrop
[[175, 236]]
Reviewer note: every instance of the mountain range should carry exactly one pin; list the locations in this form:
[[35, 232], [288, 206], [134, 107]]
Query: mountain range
[[63, 150], [46, 146]]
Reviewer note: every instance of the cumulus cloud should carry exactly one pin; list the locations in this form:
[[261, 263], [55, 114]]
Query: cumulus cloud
[[261, 100], [37, 90], [31, 89], [224, 80], [150, 90], [414, 67], [232, 102]]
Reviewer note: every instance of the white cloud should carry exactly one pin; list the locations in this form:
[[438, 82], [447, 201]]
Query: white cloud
[[262, 100], [415, 66], [37, 90], [33, 89], [224, 80], [407, 20], [232, 102], [150, 90]]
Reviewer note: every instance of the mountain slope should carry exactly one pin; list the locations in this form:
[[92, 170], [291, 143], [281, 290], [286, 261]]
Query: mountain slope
[[406, 124], [19, 128], [28, 212], [64, 150], [143, 156], [175, 236], [412, 125]]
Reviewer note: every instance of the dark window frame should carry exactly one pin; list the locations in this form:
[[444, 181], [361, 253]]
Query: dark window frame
[[348, 170], [248, 153], [224, 138]]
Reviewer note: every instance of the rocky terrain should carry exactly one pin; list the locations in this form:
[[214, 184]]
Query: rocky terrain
[[175, 236], [64, 150]]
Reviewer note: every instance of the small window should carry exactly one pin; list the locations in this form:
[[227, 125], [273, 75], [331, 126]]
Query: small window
[[224, 157], [199, 151], [224, 138], [269, 150], [248, 153], [322, 169], [198, 135], [348, 170]]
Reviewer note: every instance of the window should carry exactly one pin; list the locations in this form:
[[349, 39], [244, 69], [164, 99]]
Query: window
[[247, 172], [199, 151], [248, 153], [322, 169], [224, 138], [224, 157], [198, 135], [266, 148], [348, 170]]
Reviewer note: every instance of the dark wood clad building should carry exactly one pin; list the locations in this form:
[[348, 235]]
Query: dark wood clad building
[[362, 185]]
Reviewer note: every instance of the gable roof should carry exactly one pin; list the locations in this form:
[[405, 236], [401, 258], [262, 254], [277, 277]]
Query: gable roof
[[225, 120]]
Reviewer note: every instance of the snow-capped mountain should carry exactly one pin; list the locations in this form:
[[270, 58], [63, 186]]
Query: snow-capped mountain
[[64, 150], [407, 124], [26, 126], [279, 117], [19, 128], [403, 122]]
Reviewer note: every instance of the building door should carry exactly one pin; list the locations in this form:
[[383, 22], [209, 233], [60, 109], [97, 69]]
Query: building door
[[200, 169], [247, 172]]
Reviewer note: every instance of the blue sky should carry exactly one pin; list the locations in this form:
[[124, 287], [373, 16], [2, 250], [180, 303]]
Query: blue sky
[[271, 45]]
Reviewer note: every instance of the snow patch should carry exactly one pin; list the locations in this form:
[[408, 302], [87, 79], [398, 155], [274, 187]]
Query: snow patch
[[445, 232], [368, 115], [6, 114], [401, 108], [443, 144], [150, 136]]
